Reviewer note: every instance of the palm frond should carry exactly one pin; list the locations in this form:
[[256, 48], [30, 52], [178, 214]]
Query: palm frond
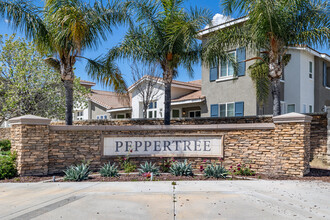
[[107, 73]]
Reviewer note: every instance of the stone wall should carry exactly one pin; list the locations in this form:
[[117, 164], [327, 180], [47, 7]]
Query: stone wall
[[181, 121], [278, 148], [5, 134], [319, 138]]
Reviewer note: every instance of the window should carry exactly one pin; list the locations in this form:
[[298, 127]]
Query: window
[[120, 116], [310, 109], [291, 108], [80, 113], [175, 113], [226, 67], [227, 110], [195, 114], [152, 114], [152, 105], [304, 108], [101, 117], [310, 69]]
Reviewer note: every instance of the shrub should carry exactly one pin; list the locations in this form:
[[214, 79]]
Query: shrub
[[8, 166], [166, 165], [126, 164], [242, 170], [216, 171], [181, 169], [148, 168], [77, 173], [5, 145], [109, 170]]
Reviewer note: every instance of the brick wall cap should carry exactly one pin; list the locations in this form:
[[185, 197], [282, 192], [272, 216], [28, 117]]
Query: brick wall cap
[[292, 117], [29, 120]]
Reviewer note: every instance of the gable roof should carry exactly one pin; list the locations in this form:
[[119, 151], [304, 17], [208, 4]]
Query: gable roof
[[193, 85], [110, 100], [197, 95]]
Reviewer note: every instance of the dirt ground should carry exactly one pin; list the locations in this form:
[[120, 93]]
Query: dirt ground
[[315, 174]]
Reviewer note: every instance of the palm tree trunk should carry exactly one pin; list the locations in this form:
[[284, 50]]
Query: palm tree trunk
[[68, 85], [168, 81], [276, 88]]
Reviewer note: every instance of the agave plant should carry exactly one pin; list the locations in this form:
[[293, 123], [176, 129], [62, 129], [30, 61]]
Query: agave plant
[[77, 173], [148, 168], [181, 169], [216, 171], [109, 170]]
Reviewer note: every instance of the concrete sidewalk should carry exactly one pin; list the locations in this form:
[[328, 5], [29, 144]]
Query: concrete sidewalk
[[255, 199]]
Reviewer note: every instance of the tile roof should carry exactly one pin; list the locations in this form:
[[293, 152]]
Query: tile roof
[[191, 96], [85, 82], [110, 100]]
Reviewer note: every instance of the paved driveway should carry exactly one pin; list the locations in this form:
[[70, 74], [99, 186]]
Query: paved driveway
[[257, 199]]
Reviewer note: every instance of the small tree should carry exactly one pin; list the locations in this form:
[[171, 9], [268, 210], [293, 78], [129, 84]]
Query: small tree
[[28, 86], [146, 89], [63, 30], [166, 35]]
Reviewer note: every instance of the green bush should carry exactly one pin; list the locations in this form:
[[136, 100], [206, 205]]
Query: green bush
[[242, 170], [109, 170], [77, 173], [126, 164], [148, 168], [216, 171], [5, 145], [181, 169], [8, 166]]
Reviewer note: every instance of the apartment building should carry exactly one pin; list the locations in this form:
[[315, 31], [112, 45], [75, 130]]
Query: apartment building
[[305, 86]]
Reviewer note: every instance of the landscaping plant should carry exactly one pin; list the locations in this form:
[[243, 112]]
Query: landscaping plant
[[8, 166], [242, 170], [148, 168], [181, 169], [5, 145], [109, 170], [77, 173], [166, 165], [216, 171]]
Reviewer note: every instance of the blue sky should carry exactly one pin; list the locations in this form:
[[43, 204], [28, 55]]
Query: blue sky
[[116, 37]]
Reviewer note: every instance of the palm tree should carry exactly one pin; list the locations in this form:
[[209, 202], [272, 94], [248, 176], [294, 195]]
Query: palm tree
[[166, 35], [63, 30], [271, 28]]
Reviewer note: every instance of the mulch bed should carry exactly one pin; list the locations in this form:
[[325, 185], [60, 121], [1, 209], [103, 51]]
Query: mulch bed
[[315, 174]]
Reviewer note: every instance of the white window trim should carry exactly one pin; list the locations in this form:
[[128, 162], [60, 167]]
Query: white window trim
[[295, 109], [226, 103], [195, 113], [227, 77], [284, 107], [180, 115], [309, 72], [153, 112]]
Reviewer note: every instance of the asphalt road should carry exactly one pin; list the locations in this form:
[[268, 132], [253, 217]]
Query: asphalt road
[[255, 199]]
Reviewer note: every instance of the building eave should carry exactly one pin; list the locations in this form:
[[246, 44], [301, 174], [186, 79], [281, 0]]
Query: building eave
[[209, 30], [185, 102], [119, 109]]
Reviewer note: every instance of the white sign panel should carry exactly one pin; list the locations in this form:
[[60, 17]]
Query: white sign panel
[[185, 146]]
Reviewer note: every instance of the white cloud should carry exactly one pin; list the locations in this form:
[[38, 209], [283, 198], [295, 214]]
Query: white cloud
[[219, 19], [7, 21]]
